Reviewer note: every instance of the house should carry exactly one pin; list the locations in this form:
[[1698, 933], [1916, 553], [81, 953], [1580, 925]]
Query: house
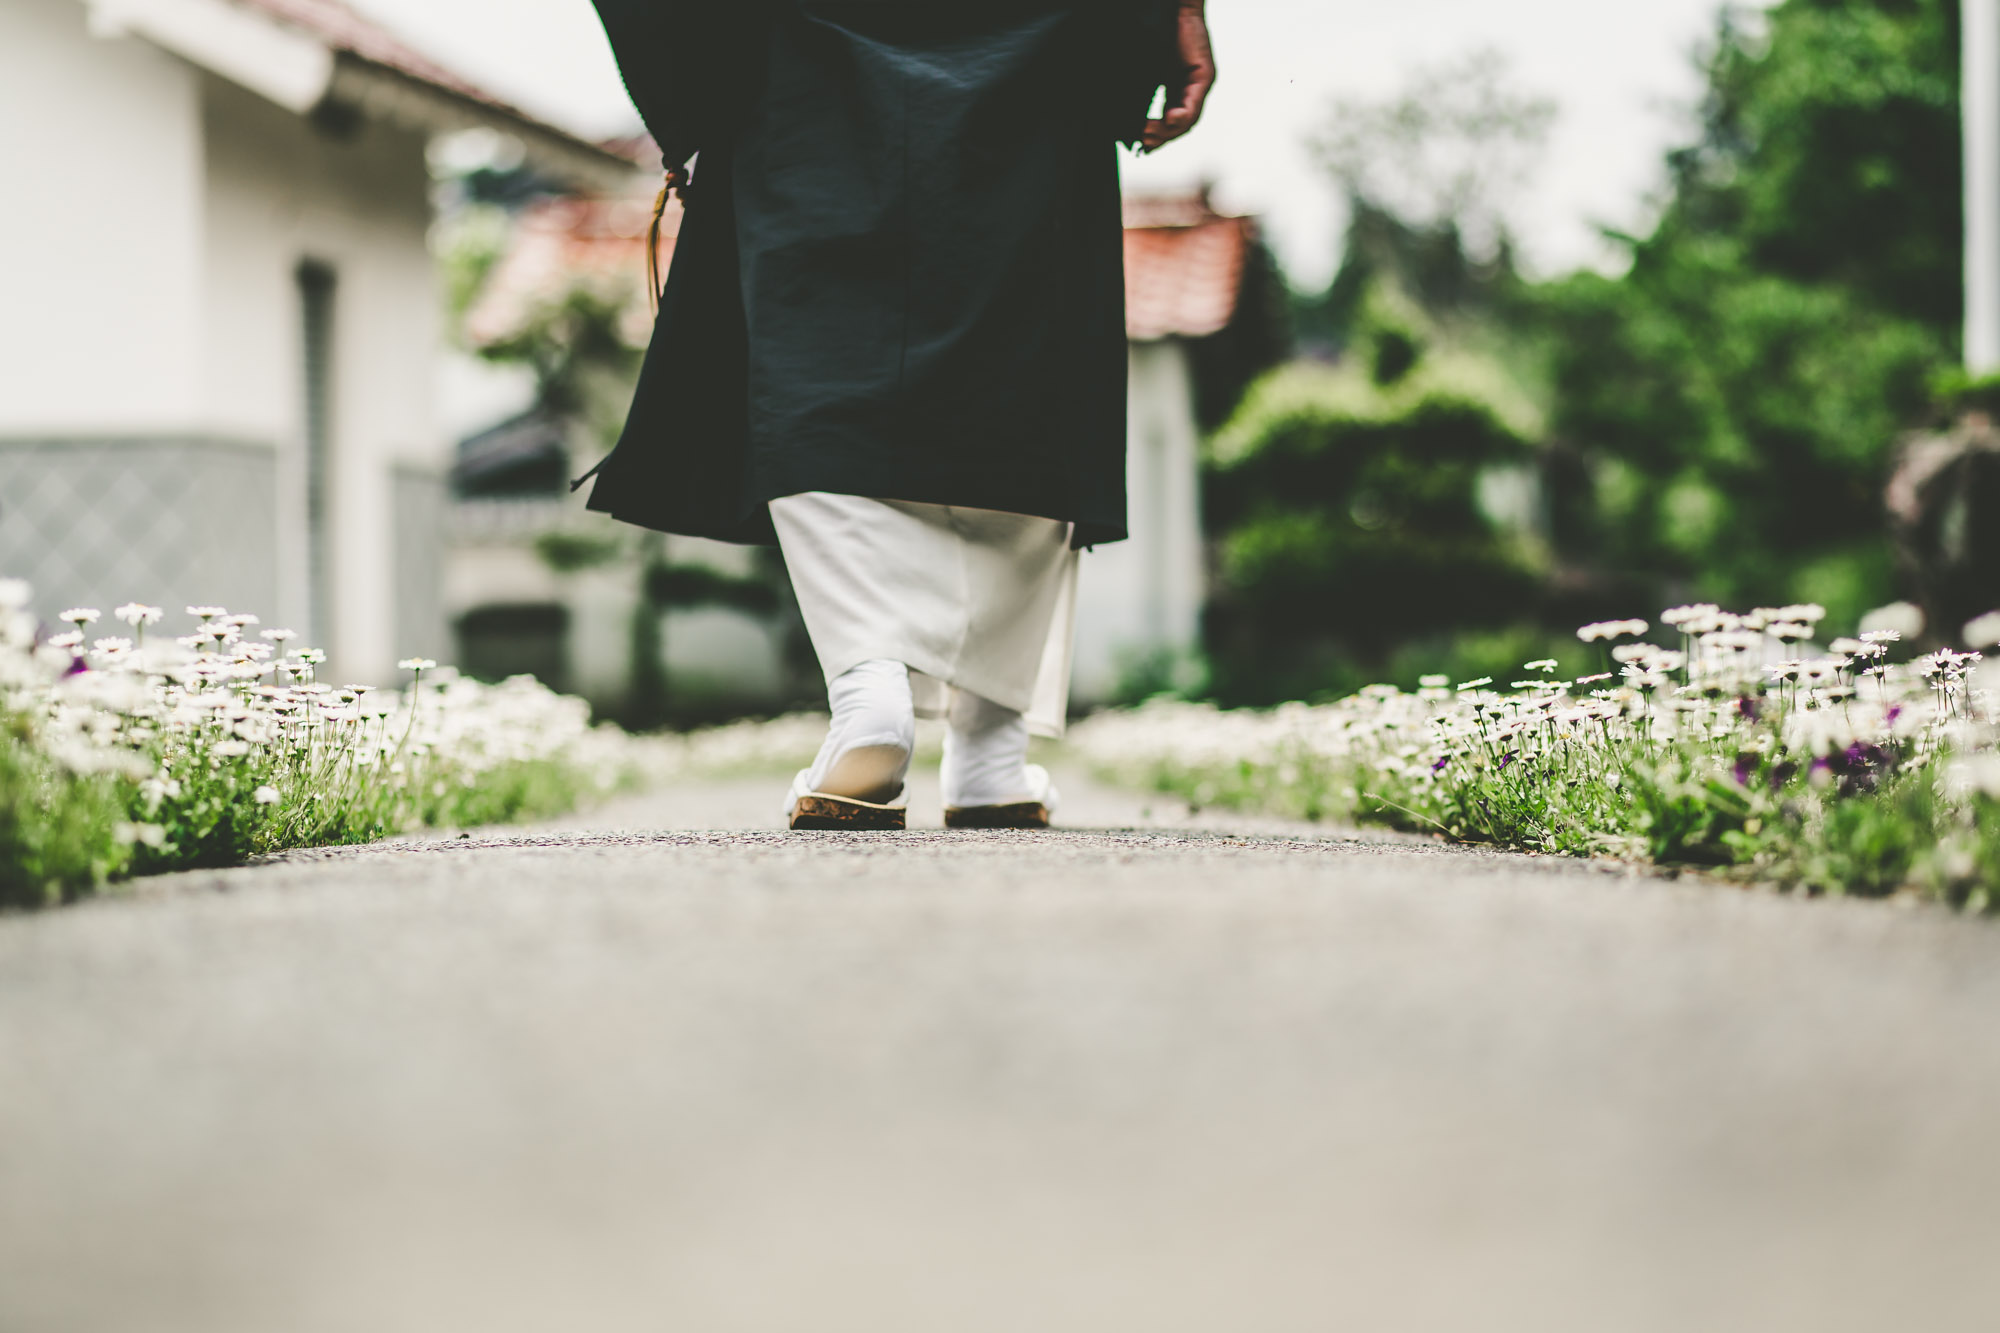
[[219, 357], [1194, 287], [1191, 281]]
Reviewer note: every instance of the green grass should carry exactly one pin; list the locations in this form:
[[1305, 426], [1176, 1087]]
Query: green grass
[[1841, 775], [67, 834], [124, 756]]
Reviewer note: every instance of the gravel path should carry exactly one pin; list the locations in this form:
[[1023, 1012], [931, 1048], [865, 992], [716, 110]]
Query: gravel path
[[1191, 1077]]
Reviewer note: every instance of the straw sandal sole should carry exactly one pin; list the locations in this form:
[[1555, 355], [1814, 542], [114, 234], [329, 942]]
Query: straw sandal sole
[[818, 812], [1020, 815]]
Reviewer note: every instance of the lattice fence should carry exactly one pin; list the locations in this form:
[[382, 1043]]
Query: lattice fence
[[169, 522]]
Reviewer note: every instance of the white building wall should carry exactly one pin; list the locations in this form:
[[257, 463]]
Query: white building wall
[[152, 320], [101, 284], [1139, 601], [279, 191]]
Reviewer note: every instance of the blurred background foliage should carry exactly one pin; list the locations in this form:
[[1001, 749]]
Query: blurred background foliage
[[1364, 505], [1467, 464], [1457, 464]]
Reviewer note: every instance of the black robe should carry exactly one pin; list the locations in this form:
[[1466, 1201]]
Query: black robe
[[900, 269]]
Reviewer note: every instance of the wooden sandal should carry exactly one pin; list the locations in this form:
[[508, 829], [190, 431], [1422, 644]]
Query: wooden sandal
[[818, 811], [812, 811], [1020, 815], [1031, 812]]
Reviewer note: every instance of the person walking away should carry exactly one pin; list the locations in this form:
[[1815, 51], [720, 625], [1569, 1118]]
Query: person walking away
[[893, 343]]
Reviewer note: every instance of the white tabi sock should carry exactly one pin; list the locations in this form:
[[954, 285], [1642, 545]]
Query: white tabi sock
[[985, 754], [867, 751]]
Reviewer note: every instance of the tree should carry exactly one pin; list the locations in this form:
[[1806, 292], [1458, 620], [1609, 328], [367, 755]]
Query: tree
[[1451, 151], [1717, 422], [1363, 510], [1728, 407], [1429, 175]]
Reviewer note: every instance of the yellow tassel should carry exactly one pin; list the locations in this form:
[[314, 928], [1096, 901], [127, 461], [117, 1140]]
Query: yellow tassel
[[677, 183], [653, 247]]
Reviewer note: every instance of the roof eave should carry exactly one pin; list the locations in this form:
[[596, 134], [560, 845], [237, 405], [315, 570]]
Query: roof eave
[[301, 72], [382, 92], [273, 61]]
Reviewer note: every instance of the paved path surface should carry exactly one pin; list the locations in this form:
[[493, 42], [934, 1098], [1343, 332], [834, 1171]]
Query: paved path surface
[[1163, 1080]]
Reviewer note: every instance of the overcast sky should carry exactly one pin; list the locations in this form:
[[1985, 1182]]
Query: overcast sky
[[1621, 72]]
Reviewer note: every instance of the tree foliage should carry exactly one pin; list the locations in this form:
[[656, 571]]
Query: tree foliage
[[1451, 151], [1725, 411], [1717, 422], [1362, 506]]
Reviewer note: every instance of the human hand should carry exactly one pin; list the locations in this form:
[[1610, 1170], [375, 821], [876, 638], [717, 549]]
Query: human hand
[[1198, 53]]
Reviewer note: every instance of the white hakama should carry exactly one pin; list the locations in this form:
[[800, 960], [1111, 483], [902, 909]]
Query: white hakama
[[966, 598]]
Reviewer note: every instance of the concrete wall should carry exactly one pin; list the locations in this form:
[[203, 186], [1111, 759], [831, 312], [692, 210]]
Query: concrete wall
[[492, 562], [713, 656], [422, 514], [1139, 602], [170, 522]]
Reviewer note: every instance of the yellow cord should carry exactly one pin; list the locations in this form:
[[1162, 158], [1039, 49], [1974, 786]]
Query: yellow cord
[[677, 182]]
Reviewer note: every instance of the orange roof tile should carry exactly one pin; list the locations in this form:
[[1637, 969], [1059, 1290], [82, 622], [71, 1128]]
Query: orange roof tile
[[1184, 266]]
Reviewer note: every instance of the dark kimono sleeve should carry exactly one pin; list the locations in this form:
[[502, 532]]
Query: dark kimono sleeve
[[692, 66], [689, 65]]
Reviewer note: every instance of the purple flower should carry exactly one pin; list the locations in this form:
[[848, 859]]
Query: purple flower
[[1748, 708], [1863, 756], [1439, 766]]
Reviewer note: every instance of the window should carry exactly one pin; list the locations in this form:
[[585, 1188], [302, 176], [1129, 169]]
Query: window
[[317, 282]]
